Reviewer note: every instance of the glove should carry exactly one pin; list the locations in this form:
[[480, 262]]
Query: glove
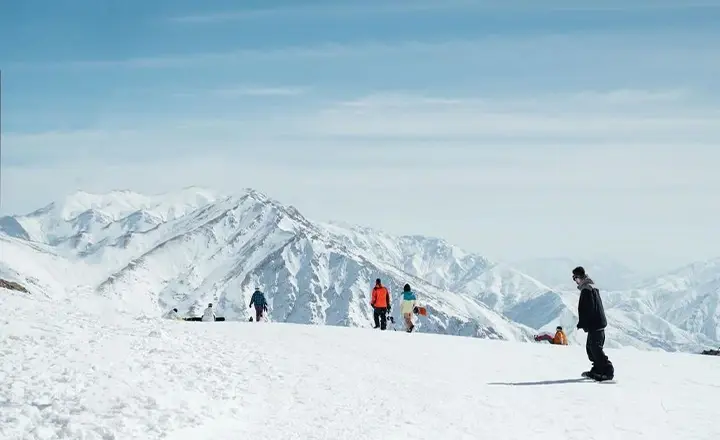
[[388, 309], [265, 308]]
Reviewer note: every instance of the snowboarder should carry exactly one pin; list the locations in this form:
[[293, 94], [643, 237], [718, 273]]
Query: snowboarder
[[591, 319], [258, 300], [380, 301], [408, 307], [558, 339], [209, 314], [173, 314]]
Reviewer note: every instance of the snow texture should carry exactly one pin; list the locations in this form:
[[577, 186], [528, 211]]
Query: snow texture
[[78, 368], [148, 254]]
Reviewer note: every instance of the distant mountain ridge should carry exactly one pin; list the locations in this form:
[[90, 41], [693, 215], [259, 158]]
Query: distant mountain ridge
[[188, 248]]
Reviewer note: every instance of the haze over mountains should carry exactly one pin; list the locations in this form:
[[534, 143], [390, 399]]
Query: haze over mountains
[[188, 248]]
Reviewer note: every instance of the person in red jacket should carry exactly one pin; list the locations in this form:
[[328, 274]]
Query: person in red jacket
[[380, 302]]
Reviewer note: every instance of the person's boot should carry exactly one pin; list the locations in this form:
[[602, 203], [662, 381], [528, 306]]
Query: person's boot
[[591, 373], [607, 374]]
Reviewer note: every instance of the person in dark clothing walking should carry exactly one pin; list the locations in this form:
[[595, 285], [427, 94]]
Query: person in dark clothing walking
[[591, 319], [258, 299], [380, 302]]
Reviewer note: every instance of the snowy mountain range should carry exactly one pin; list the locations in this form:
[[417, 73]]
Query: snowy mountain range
[[147, 254]]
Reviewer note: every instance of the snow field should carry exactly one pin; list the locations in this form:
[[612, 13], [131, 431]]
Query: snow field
[[78, 370]]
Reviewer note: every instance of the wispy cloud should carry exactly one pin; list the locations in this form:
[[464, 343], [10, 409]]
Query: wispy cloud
[[629, 115], [353, 9], [246, 91], [335, 10], [537, 101], [324, 50], [402, 120], [652, 48]]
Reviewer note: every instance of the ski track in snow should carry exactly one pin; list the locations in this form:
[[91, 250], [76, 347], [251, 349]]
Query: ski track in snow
[[73, 370]]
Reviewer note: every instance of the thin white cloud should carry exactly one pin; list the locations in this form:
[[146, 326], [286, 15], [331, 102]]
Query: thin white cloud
[[637, 115], [336, 9], [652, 49], [261, 91], [327, 50], [240, 91], [353, 9], [537, 101], [614, 116]]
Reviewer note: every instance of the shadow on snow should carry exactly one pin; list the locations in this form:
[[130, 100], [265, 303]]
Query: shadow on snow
[[544, 382]]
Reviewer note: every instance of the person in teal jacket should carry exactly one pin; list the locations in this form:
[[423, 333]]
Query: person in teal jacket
[[409, 300]]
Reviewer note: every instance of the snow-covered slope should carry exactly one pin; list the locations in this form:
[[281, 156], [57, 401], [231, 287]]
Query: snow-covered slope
[[185, 249], [689, 298], [75, 371], [432, 259], [36, 267], [219, 253], [499, 286], [517, 295]]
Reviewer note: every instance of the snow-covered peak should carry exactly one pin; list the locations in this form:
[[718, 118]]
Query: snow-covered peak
[[694, 274], [121, 203], [83, 218]]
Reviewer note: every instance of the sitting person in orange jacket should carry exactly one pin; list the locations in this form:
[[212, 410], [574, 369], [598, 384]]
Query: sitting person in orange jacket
[[558, 339]]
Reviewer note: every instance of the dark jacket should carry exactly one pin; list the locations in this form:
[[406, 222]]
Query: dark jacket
[[258, 298], [591, 313]]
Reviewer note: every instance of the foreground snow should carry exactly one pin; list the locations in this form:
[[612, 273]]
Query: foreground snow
[[80, 370]]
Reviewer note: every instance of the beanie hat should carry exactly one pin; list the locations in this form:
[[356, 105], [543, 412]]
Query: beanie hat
[[406, 288], [579, 272]]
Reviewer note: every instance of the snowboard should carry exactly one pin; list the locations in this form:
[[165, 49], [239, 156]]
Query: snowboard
[[422, 311], [597, 381]]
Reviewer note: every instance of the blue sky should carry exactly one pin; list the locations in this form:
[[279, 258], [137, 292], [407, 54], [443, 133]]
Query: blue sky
[[514, 128]]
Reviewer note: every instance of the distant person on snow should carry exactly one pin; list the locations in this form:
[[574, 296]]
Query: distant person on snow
[[209, 314], [558, 339], [407, 308], [380, 301], [173, 314], [258, 299], [591, 319]]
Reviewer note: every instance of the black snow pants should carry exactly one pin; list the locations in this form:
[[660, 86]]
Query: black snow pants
[[380, 317], [259, 312], [596, 354]]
